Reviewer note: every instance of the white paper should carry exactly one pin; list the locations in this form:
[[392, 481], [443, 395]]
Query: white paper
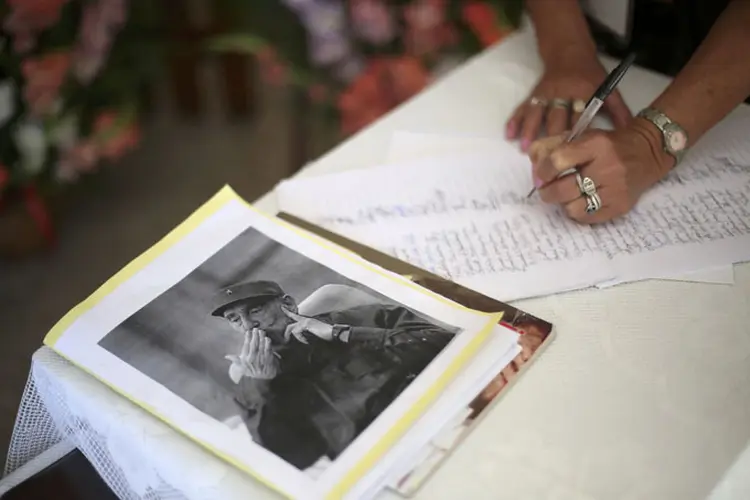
[[409, 146], [497, 353], [465, 218]]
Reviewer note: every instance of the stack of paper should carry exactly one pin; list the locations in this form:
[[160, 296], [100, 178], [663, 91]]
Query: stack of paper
[[315, 371], [458, 208]]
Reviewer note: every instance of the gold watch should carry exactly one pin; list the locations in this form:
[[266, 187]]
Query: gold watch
[[674, 137]]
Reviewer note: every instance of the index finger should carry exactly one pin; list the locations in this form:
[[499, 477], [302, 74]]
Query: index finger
[[292, 315]]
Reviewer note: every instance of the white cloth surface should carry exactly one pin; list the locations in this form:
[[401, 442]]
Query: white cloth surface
[[645, 392]]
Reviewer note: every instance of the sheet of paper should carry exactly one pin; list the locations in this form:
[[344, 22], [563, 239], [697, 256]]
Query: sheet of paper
[[465, 218], [409, 146], [499, 350]]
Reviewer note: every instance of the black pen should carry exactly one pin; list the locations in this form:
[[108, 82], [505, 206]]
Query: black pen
[[595, 103]]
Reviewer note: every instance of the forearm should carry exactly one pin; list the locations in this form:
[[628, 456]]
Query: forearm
[[561, 30], [717, 77]]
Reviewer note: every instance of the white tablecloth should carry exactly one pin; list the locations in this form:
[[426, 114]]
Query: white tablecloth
[[644, 394]]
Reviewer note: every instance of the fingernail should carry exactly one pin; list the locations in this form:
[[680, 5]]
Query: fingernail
[[538, 182], [525, 144], [510, 130]]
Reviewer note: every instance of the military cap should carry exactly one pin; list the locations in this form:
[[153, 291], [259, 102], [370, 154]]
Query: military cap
[[243, 292]]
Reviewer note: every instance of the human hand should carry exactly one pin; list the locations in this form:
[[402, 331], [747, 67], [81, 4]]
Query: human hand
[[623, 164], [304, 324], [256, 359], [571, 81]]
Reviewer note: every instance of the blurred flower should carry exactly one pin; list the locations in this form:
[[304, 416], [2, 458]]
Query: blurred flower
[[408, 77], [427, 27], [44, 76], [80, 158], [7, 107], [32, 146], [481, 18], [383, 85], [372, 21], [272, 70], [115, 140], [100, 23], [27, 18], [325, 22]]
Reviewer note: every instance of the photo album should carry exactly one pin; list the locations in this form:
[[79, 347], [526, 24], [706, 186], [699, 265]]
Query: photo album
[[317, 371]]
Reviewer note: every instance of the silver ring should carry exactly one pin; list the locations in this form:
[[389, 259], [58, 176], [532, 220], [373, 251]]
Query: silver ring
[[589, 186], [538, 101], [593, 203], [560, 103], [579, 105]]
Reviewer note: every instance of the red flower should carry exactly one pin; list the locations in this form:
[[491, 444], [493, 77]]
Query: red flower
[[383, 85], [482, 20], [29, 17], [44, 76], [427, 27], [123, 140]]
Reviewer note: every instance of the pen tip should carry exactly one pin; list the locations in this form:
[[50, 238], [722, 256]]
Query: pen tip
[[530, 193]]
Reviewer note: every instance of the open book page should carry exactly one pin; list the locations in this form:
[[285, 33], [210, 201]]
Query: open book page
[[465, 218], [410, 146], [270, 349]]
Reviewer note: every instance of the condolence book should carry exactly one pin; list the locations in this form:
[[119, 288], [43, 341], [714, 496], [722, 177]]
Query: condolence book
[[294, 359]]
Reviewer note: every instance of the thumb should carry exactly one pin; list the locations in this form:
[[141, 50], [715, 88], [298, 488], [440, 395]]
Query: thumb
[[233, 358], [617, 109]]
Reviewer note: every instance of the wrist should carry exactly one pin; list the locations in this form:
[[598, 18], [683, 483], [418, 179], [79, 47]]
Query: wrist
[[653, 137], [567, 54]]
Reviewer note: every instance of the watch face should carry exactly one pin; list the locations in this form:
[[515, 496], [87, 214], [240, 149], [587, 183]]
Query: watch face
[[676, 139]]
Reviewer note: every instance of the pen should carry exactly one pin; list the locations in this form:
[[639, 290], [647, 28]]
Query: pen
[[595, 103]]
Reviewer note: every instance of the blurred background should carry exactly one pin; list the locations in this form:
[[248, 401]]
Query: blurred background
[[118, 118]]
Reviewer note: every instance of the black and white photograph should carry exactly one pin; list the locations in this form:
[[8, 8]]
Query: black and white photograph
[[274, 344]]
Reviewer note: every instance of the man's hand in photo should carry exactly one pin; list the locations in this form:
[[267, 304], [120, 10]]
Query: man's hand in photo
[[256, 360], [303, 325]]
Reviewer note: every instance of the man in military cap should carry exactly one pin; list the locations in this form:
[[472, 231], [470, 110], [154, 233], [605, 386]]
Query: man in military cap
[[310, 385]]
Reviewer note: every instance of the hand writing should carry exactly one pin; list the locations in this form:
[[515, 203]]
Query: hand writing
[[304, 324], [623, 164], [574, 81], [256, 359]]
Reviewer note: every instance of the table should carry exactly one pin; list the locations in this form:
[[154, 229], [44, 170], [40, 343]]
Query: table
[[645, 392]]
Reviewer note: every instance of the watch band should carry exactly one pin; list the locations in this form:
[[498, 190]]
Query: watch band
[[341, 333], [669, 129]]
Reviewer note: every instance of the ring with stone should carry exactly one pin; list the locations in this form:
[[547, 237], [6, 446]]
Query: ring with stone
[[579, 106], [593, 203], [586, 185], [560, 103], [538, 101]]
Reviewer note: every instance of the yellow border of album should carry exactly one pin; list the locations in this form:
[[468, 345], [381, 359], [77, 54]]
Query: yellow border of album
[[225, 195]]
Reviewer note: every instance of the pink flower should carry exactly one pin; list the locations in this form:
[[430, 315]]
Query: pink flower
[[44, 76], [427, 27], [79, 159], [101, 21], [27, 18], [114, 146], [373, 21]]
